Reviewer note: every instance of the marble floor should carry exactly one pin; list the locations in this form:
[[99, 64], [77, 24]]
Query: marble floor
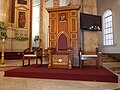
[[13, 83]]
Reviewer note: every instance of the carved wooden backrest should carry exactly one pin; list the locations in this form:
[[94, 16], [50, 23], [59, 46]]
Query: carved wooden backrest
[[62, 42], [95, 52]]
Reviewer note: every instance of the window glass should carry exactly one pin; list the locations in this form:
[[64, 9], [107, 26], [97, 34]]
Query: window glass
[[108, 29]]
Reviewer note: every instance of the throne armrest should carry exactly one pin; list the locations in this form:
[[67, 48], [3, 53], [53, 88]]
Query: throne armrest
[[51, 50]]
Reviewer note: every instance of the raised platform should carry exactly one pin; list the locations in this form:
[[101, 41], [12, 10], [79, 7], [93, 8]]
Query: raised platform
[[87, 73]]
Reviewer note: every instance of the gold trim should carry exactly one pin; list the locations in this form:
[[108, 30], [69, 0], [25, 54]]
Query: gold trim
[[73, 34], [53, 20], [52, 35], [73, 11], [63, 8], [76, 24], [51, 42], [53, 13]]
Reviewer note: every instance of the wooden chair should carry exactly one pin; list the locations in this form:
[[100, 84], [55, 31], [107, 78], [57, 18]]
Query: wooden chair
[[85, 57], [28, 55]]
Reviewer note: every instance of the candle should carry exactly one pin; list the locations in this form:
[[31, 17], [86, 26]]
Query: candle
[[3, 40]]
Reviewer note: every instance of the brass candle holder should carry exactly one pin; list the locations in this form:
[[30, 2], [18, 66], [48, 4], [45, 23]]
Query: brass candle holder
[[3, 50]]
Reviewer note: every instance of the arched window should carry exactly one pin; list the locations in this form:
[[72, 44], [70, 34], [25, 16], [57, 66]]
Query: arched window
[[108, 28]]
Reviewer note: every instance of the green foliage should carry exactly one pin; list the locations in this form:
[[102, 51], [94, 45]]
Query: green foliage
[[36, 38], [3, 35], [21, 38], [3, 25], [3, 28]]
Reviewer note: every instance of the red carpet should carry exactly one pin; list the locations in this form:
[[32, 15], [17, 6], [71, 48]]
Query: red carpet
[[87, 73]]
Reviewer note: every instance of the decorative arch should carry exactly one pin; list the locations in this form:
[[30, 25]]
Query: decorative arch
[[107, 28], [63, 41]]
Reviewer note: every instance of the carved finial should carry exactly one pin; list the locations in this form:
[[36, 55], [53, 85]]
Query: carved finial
[[70, 3], [46, 0]]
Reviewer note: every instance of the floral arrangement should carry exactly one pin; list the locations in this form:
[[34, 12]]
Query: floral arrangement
[[3, 35], [36, 38], [3, 25], [21, 38], [3, 28]]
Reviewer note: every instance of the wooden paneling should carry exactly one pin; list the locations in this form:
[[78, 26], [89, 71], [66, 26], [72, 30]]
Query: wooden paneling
[[53, 15], [63, 8], [74, 13], [74, 24], [52, 36], [52, 43], [64, 20], [74, 30], [53, 25], [74, 36], [74, 44]]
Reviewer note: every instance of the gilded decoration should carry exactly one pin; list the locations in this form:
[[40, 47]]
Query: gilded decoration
[[62, 59]]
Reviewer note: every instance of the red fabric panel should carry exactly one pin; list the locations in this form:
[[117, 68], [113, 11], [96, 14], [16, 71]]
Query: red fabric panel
[[62, 42]]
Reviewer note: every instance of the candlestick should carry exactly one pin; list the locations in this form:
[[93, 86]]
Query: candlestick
[[3, 49]]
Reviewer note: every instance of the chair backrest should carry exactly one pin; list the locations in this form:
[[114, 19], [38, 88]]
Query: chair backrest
[[26, 51], [39, 52], [62, 42], [96, 51]]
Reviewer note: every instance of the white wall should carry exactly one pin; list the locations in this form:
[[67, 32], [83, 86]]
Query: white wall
[[3, 10], [113, 5], [35, 24]]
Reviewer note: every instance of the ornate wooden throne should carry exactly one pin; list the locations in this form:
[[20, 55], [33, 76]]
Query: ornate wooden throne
[[61, 56], [63, 34]]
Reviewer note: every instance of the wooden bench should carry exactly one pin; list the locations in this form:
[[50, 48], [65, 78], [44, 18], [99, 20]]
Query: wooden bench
[[85, 57]]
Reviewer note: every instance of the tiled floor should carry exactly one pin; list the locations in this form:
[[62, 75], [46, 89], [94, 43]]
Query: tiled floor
[[12, 83]]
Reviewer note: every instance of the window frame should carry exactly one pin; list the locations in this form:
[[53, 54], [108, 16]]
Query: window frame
[[108, 39]]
